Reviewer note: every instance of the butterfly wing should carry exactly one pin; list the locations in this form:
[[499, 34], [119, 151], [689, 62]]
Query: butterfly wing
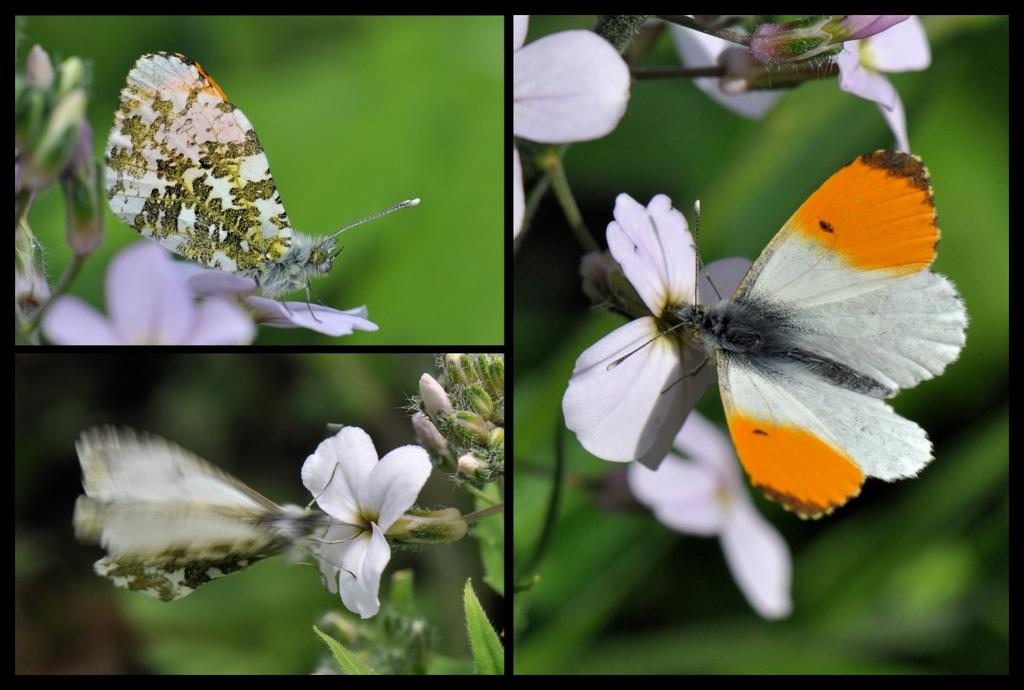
[[849, 272], [808, 443], [169, 520], [184, 167]]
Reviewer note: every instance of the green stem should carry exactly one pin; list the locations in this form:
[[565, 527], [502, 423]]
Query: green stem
[[477, 493], [551, 518], [62, 285], [552, 165], [690, 23], [485, 513], [678, 72]]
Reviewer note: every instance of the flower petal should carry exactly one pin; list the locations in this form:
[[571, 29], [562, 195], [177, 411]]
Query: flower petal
[[683, 495], [655, 249], [759, 560], [569, 86], [856, 79], [209, 282], [698, 49], [710, 448], [71, 321], [725, 276], [520, 24], [221, 322], [363, 565], [147, 300], [897, 120], [336, 470], [330, 551], [632, 411], [903, 48], [518, 197], [864, 25], [329, 321], [394, 484]]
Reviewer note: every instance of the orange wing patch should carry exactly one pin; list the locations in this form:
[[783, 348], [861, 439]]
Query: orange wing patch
[[877, 212], [795, 468]]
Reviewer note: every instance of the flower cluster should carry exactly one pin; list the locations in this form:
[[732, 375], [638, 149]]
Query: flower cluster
[[461, 418]]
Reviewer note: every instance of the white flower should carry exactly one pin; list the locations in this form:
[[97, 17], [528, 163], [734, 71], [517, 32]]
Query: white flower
[[705, 496], [697, 49], [365, 497], [902, 48], [633, 410], [569, 86]]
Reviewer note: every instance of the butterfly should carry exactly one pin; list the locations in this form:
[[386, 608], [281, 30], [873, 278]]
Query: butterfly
[[171, 522], [184, 167], [840, 312]]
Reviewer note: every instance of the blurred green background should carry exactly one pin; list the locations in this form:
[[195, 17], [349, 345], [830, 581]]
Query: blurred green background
[[257, 417], [909, 577], [355, 114]]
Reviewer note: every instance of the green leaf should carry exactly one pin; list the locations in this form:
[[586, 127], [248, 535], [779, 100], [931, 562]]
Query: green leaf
[[490, 532], [349, 662], [488, 654]]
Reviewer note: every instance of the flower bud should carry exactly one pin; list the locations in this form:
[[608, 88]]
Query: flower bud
[[454, 369], [428, 527], [480, 401], [435, 399], [51, 151], [470, 426], [72, 75], [471, 466], [791, 41], [82, 196], [496, 439], [38, 68], [427, 435]]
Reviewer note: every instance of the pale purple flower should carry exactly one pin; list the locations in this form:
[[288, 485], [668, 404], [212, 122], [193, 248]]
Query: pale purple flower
[[697, 49], [888, 43], [569, 86], [902, 48], [365, 496], [705, 496], [271, 312], [149, 304], [632, 410]]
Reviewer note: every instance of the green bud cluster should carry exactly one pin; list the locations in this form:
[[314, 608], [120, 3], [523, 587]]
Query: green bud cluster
[[460, 419]]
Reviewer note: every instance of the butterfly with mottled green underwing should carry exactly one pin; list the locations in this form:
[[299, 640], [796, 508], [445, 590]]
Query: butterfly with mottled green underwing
[[170, 521]]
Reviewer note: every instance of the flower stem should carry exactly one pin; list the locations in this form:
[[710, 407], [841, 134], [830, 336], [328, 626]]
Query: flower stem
[[485, 513], [678, 72], [62, 285], [551, 518], [551, 163], [477, 493], [690, 23]]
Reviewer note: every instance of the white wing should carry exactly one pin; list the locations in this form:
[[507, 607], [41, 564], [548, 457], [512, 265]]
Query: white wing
[[849, 272], [809, 443], [169, 521], [122, 465]]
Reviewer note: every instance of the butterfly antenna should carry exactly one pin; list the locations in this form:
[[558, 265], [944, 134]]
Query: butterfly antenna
[[701, 268], [692, 372], [629, 354], [378, 214], [329, 480]]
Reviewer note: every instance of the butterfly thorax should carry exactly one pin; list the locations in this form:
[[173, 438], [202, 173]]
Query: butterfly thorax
[[306, 258], [763, 336]]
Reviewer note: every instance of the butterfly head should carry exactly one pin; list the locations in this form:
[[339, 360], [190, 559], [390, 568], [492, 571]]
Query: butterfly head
[[306, 258]]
